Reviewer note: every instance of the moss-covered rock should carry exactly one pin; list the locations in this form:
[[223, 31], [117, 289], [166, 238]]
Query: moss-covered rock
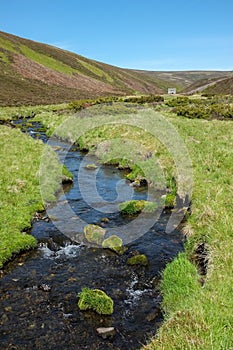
[[114, 243], [105, 220], [91, 167], [139, 259], [95, 299], [136, 206], [94, 234]]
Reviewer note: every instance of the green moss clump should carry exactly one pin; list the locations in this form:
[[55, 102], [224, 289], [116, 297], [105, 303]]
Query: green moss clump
[[136, 206], [95, 299], [67, 176], [139, 259], [170, 200], [94, 234], [135, 174], [114, 243]]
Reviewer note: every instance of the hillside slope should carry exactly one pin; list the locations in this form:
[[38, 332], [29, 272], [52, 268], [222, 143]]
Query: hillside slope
[[187, 81], [36, 73], [221, 87], [32, 73]]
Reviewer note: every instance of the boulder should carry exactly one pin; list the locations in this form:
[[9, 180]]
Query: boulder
[[91, 167], [106, 332], [139, 259], [114, 243], [94, 234]]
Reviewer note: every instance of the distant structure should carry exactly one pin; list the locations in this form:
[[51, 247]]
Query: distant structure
[[171, 91]]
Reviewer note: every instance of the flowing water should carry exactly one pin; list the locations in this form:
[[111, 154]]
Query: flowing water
[[38, 300]]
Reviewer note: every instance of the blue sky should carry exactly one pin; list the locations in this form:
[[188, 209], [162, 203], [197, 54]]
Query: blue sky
[[152, 35]]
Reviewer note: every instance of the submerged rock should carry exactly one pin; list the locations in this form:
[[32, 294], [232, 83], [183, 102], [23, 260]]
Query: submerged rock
[[95, 299], [139, 259], [91, 167], [94, 234], [114, 243], [66, 179], [45, 287], [105, 220], [106, 332]]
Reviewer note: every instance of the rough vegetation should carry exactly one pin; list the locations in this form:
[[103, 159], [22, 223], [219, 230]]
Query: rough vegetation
[[212, 107], [222, 87]]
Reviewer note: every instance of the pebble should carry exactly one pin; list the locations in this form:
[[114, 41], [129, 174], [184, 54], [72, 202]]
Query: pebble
[[45, 287], [106, 332]]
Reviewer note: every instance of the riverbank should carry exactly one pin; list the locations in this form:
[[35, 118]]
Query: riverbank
[[197, 285], [198, 307], [20, 191]]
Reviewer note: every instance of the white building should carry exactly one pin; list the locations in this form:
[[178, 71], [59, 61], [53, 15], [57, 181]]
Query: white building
[[171, 91]]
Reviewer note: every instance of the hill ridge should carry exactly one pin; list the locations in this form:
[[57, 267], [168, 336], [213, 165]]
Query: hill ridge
[[35, 73]]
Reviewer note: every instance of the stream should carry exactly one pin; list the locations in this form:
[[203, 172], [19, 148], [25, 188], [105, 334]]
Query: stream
[[38, 299]]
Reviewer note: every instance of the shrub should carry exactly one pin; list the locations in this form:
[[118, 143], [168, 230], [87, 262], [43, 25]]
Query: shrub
[[178, 101], [145, 99]]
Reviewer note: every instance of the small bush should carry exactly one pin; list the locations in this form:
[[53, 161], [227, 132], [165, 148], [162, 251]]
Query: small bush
[[178, 101], [145, 99], [213, 107]]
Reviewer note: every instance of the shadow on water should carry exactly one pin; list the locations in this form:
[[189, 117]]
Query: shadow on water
[[39, 289]]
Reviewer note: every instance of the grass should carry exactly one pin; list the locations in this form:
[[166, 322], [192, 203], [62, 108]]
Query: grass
[[7, 45], [3, 57], [20, 195], [47, 61], [95, 70], [10, 113], [200, 317]]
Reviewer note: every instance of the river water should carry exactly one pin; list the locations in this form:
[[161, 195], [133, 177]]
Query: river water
[[38, 300]]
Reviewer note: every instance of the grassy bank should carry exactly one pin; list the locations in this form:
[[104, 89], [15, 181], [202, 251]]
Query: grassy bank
[[199, 316], [19, 188]]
